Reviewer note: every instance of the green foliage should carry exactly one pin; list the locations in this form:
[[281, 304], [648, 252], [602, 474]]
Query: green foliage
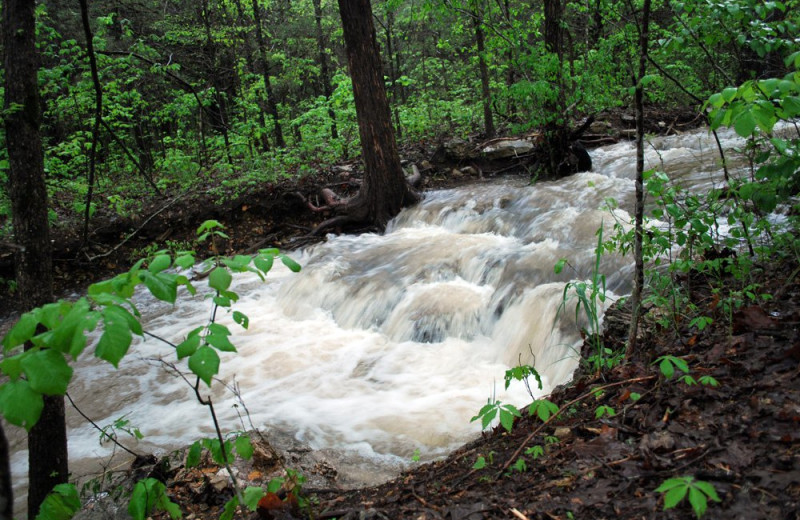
[[535, 451], [494, 409], [604, 411], [668, 364], [150, 495], [590, 295], [109, 433], [699, 492], [57, 333], [60, 504], [523, 373], [543, 409]]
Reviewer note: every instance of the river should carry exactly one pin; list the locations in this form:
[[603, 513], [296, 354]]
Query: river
[[384, 346]]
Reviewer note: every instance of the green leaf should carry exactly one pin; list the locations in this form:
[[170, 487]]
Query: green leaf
[[252, 495], [159, 263], [117, 336], [19, 404], [480, 463], [219, 329], [669, 484], [698, 501], [69, 332], [241, 319], [244, 447], [185, 261], [667, 368], [204, 363], [142, 500], [745, 124], [708, 489], [263, 263], [12, 366], [291, 264], [221, 342], [275, 484], [791, 106], [673, 497], [188, 346], [543, 409], [560, 265], [22, 331], [60, 504], [220, 279], [47, 372], [728, 94], [161, 286], [242, 260], [507, 419], [193, 456]]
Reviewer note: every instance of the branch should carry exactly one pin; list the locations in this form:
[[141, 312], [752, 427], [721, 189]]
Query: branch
[[101, 430], [151, 217], [590, 393]]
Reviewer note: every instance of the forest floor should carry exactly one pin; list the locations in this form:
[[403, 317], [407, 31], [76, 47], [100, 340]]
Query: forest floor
[[742, 436]]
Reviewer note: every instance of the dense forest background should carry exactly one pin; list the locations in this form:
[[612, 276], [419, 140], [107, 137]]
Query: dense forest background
[[229, 95]]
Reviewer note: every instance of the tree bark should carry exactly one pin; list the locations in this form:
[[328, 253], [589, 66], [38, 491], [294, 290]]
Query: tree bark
[[486, 94], [6, 491], [638, 281], [47, 441], [98, 117], [385, 190], [325, 74], [272, 107]]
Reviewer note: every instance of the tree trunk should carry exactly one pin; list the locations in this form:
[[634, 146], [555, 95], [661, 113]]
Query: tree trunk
[[272, 107], [325, 74], [6, 491], [248, 57], [636, 296], [486, 95], [47, 441], [385, 190]]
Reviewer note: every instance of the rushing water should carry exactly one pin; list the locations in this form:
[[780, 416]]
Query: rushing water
[[388, 344]]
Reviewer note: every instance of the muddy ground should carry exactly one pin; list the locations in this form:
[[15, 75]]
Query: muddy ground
[[742, 436]]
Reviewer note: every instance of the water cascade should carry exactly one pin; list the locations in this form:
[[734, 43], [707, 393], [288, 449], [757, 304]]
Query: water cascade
[[387, 344]]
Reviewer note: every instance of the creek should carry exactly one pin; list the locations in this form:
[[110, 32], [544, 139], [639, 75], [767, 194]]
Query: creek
[[386, 345]]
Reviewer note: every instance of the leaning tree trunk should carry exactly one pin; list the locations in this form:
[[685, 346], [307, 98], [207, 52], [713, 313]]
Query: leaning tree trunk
[[385, 190], [47, 441]]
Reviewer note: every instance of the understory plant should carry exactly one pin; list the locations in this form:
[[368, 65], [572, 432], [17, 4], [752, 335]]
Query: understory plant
[[590, 296], [57, 334]]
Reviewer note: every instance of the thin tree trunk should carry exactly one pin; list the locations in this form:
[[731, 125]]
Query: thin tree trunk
[[47, 441], [6, 490], [98, 117], [272, 107], [325, 74], [636, 297], [486, 94], [219, 93], [248, 57]]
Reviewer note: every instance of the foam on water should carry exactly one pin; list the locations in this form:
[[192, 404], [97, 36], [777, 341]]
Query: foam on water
[[387, 344]]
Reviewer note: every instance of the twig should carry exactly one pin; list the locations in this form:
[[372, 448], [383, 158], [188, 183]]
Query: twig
[[516, 513], [590, 393], [98, 428]]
